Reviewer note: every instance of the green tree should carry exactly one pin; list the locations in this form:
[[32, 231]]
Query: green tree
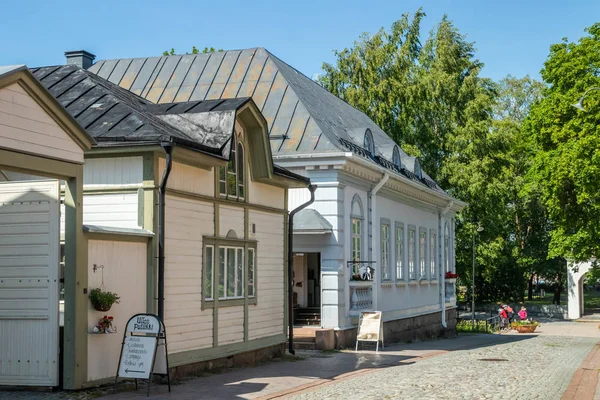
[[566, 165], [194, 51]]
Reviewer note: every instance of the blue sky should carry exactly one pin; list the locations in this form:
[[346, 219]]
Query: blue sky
[[512, 37]]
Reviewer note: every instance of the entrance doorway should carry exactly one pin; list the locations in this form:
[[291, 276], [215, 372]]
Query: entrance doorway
[[307, 289], [29, 277]]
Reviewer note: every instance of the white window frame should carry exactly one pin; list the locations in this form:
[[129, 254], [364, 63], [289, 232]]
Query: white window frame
[[386, 268], [447, 247]]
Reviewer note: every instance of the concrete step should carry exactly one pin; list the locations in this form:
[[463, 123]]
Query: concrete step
[[304, 345], [304, 339]]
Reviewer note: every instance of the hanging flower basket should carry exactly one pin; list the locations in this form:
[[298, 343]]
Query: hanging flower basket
[[103, 301], [451, 275]]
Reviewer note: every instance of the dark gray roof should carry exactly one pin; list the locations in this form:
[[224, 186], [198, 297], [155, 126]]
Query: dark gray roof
[[311, 221], [302, 116], [111, 114]]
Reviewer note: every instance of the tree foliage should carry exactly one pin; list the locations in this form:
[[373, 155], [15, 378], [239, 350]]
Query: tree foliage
[[194, 51], [567, 142], [467, 131]]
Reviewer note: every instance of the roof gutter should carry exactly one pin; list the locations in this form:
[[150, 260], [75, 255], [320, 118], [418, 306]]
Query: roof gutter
[[168, 148], [372, 166], [312, 189]]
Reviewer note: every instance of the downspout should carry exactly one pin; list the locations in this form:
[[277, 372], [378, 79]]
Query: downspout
[[312, 189], [168, 148], [441, 269], [372, 204]]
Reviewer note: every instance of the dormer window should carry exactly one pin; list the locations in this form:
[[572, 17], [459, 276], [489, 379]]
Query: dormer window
[[369, 144], [231, 177], [396, 158], [417, 171]]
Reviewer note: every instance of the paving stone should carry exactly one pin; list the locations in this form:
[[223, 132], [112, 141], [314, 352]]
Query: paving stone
[[535, 368]]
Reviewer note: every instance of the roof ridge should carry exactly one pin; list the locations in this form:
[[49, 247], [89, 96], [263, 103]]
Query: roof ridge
[[175, 55]]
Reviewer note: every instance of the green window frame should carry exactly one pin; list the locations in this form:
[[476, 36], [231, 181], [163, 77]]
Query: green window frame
[[399, 251], [412, 250], [386, 273], [229, 272]]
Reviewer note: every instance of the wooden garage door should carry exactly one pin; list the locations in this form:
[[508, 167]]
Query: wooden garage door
[[29, 282]]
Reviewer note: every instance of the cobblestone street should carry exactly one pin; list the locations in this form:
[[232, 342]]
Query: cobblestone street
[[538, 366], [533, 368]]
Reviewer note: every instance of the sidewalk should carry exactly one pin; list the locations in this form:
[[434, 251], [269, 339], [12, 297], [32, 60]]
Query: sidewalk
[[291, 375]]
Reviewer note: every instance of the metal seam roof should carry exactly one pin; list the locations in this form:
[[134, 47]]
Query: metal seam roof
[[302, 116]]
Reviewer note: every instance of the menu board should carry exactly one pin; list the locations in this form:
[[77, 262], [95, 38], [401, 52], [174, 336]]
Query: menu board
[[137, 357], [370, 328]]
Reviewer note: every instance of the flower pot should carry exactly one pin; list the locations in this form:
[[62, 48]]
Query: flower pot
[[100, 307], [525, 328]]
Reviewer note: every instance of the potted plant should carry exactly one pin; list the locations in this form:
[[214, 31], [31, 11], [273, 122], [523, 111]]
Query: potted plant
[[103, 301], [105, 325], [527, 326]]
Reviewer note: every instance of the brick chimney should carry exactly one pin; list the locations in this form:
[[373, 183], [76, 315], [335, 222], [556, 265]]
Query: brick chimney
[[80, 58]]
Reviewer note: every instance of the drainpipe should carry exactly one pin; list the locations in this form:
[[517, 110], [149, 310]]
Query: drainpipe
[[312, 189], [372, 204], [168, 148], [441, 269]]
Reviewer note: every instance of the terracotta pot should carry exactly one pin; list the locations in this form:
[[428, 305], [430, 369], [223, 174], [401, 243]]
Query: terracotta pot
[[525, 328]]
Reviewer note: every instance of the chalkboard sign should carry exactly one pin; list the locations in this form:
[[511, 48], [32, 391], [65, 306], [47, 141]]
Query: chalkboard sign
[[144, 350], [370, 328]]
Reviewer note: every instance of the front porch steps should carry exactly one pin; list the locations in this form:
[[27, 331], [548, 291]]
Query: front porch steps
[[310, 316]]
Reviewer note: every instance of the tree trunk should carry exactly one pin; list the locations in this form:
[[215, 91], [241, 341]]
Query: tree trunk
[[556, 298], [530, 288]]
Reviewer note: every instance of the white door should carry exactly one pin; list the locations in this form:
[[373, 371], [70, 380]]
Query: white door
[[29, 282]]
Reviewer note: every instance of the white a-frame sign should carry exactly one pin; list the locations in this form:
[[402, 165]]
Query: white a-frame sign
[[370, 328], [144, 350]]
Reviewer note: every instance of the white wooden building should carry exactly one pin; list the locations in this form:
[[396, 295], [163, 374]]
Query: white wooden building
[[373, 204]]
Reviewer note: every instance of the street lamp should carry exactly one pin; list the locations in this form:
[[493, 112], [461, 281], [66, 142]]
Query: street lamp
[[479, 229], [579, 104]]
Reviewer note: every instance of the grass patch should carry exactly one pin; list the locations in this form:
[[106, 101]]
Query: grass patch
[[291, 358], [477, 327]]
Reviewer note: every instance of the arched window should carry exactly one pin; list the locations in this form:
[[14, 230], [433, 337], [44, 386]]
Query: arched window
[[396, 158], [369, 144], [232, 178], [356, 221]]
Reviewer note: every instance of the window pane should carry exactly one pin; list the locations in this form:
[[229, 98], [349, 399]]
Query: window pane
[[399, 253], [411, 254], [446, 260], [221, 272], [422, 240], [230, 272], [432, 257], [385, 252], [251, 272], [239, 276], [232, 174], [209, 272], [240, 170]]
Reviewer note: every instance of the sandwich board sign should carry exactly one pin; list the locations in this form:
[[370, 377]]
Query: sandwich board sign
[[370, 328], [144, 350]]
